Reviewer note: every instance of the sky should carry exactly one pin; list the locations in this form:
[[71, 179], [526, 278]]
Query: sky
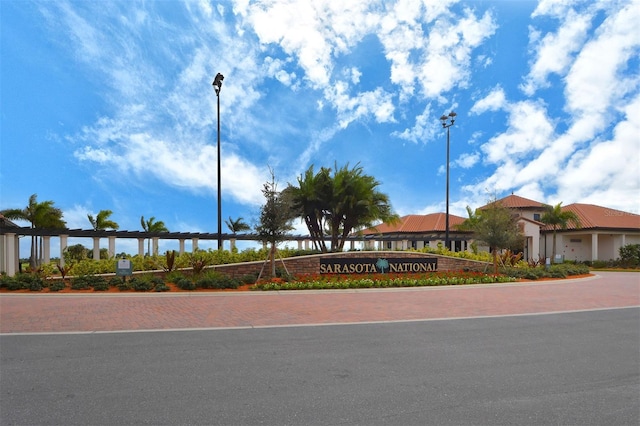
[[109, 105]]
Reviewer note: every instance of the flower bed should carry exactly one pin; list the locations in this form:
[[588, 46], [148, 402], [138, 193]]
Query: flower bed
[[321, 282]]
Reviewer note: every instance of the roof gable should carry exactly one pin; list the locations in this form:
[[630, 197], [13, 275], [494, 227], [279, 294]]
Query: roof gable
[[516, 202]]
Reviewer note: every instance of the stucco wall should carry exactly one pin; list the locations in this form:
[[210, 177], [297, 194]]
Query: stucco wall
[[303, 265]]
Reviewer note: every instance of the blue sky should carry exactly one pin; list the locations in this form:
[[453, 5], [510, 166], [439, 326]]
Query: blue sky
[[109, 104]]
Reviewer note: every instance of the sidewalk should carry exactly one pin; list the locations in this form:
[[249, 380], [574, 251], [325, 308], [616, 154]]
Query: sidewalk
[[51, 313]]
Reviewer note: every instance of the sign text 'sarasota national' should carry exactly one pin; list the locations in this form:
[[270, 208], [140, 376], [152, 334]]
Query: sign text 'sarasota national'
[[345, 265]]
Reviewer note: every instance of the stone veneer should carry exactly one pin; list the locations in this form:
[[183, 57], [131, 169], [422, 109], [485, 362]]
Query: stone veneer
[[304, 265]]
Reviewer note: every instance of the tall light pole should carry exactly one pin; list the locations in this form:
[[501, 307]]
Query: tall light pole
[[447, 122], [217, 85]]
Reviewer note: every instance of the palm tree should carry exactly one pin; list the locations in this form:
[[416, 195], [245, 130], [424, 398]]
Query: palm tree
[[237, 225], [338, 204], [152, 226], [559, 219], [40, 215], [101, 221]]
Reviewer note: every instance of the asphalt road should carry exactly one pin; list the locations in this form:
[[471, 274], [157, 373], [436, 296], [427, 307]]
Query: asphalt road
[[580, 368]]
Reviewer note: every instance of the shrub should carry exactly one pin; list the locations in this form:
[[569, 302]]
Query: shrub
[[186, 284], [124, 285], [249, 278], [630, 255], [216, 280], [174, 277], [14, 284], [141, 284], [82, 282], [161, 287], [35, 285], [28, 281], [57, 285], [115, 281]]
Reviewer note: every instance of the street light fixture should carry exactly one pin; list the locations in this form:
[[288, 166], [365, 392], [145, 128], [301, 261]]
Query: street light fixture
[[447, 122], [217, 85]]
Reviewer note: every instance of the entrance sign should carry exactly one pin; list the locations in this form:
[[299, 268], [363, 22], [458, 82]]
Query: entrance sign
[[406, 265], [124, 267]]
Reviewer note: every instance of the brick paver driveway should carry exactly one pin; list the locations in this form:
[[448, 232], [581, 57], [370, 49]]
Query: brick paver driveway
[[51, 313]]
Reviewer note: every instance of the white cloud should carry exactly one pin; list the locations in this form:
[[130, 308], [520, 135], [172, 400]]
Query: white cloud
[[530, 130], [607, 172], [423, 130], [554, 52], [466, 160], [494, 101]]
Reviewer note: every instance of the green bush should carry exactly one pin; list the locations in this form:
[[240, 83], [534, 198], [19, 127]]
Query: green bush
[[115, 281], [141, 284], [186, 284], [57, 285], [161, 287], [124, 285], [82, 282], [35, 285], [216, 280], [249, 278], [630, 255]]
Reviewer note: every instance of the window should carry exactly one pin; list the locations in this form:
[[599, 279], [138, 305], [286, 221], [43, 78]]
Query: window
[[576, 240], [536, 216]]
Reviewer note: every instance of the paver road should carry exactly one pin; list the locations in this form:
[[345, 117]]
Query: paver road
[[50, 313]]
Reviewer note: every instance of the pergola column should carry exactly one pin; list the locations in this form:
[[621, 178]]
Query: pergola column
[[154, 245], [46, 249], [63, 247], [181, 249], [96, 248], [112, 247], [141, 247], [194, 245], [11, 257]]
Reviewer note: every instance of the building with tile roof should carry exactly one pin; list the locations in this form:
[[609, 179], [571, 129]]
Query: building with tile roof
[[416, 231], [601, 233]]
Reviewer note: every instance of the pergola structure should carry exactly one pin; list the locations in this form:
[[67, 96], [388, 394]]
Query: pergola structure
[[10, 241]]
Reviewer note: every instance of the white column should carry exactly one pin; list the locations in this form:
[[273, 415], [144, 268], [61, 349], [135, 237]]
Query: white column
[[299, 244], [141, 247], [306, 244], [96, 247], [181, 249], [12, 257], [154, 245], [594, 247], [112, 247], [194, 245], [46, 249], [63, 247]]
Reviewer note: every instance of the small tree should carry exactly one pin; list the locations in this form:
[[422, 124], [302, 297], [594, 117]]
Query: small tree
[[275, 219], [496, 226]]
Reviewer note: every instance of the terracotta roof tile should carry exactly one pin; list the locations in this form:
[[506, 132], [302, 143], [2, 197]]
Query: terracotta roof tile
[[414, 223], [516, 202], [592, 216]]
